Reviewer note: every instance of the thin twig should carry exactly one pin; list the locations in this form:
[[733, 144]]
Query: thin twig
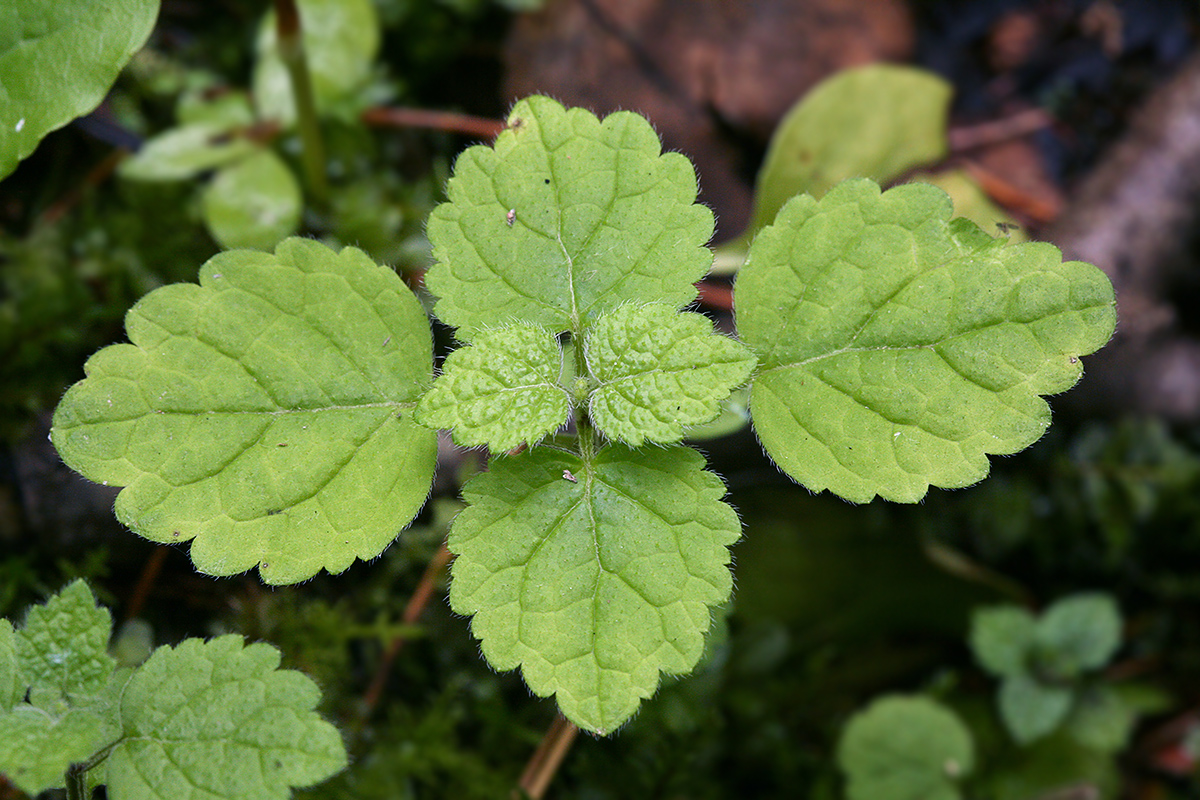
[[1012, 197], [545, 761], [145, 582], [1022, 123], [386, 117], [291, 51], [412, 612]]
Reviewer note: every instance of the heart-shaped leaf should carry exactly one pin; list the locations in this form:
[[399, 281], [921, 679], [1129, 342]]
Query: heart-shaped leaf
[[265, 414], [897, 349]]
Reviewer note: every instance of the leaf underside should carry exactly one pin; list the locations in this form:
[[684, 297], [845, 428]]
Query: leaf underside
[[898, 349], [565, 218], [265, 414], [593, 577]]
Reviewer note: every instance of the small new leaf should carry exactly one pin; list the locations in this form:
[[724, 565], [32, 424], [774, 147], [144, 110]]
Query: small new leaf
[[658, 371], [905, 748], [265, 414], [63, 647], [1032, 709], [223, 719], [897, 349], [1081, 632], [1001, 638], [593, 577], [564, 218], [501, 390]]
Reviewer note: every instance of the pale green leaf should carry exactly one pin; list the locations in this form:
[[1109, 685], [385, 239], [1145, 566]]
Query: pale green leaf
[[1101, 720], [973, 203], [63, 647], [1001, 638], [659, 371], [58, 60], [184, 152], [341, 41], [905, 748], [265, 414], [502, 390], [565, 218], [898, 349], [218, 106], [253, 203], [875, 122], [1032, 709], [218, 719], [1080, 633], [12, 684], [37, 746], [593, 577]]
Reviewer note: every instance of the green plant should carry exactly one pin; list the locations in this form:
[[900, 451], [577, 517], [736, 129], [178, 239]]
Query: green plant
[[275, 415], [214, 717]]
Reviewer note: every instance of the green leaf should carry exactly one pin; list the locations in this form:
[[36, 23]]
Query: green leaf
[[265, 413], [253, 203], [897, 349], [1001, 638], [905, 748], [1101, 720], [216, 719], [183, 152], [341, 41], [1031, 709], [876, 122], [1080, 633], [659, 370], [59, 655], [58, 60], [596, 576], [501, 390], [63, 647], [37, 747], [12, 684], [566, 218]]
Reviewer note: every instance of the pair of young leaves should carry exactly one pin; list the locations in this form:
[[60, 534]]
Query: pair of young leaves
[[271, 413]]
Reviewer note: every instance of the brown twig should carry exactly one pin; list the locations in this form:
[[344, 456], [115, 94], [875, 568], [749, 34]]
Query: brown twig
[[545, 761], [386, 117], [145, 583], [1012, 197], [412, 612], [1022, 123], [716, 295]]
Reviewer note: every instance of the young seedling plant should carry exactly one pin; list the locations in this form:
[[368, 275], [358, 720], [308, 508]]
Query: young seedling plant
[[282, 413]]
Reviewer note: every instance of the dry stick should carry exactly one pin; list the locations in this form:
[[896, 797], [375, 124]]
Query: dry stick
[[546, 759], [1013, 197], [449, 121], [412, 612]]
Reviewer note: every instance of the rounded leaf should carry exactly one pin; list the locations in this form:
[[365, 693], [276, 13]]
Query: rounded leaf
[[1081, 632], [1032, 709], [265, 414], [566, 217], [897, 349], [183, 152], [1001, 638], [58, 60], [253, 203], [593, 577], [905, 748]]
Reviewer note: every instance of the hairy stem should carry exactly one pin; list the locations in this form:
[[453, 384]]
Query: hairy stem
[[291, 50]]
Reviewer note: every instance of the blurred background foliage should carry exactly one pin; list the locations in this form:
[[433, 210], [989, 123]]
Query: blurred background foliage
[[837, 608]]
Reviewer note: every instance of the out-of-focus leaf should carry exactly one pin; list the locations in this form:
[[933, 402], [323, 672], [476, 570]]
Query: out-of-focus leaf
[[181, 153], [57, 61], [253, 203], [870, 122]]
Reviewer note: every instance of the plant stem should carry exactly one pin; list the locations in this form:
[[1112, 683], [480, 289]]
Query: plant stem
[[291, 51], [77, 781], [546, 759]]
